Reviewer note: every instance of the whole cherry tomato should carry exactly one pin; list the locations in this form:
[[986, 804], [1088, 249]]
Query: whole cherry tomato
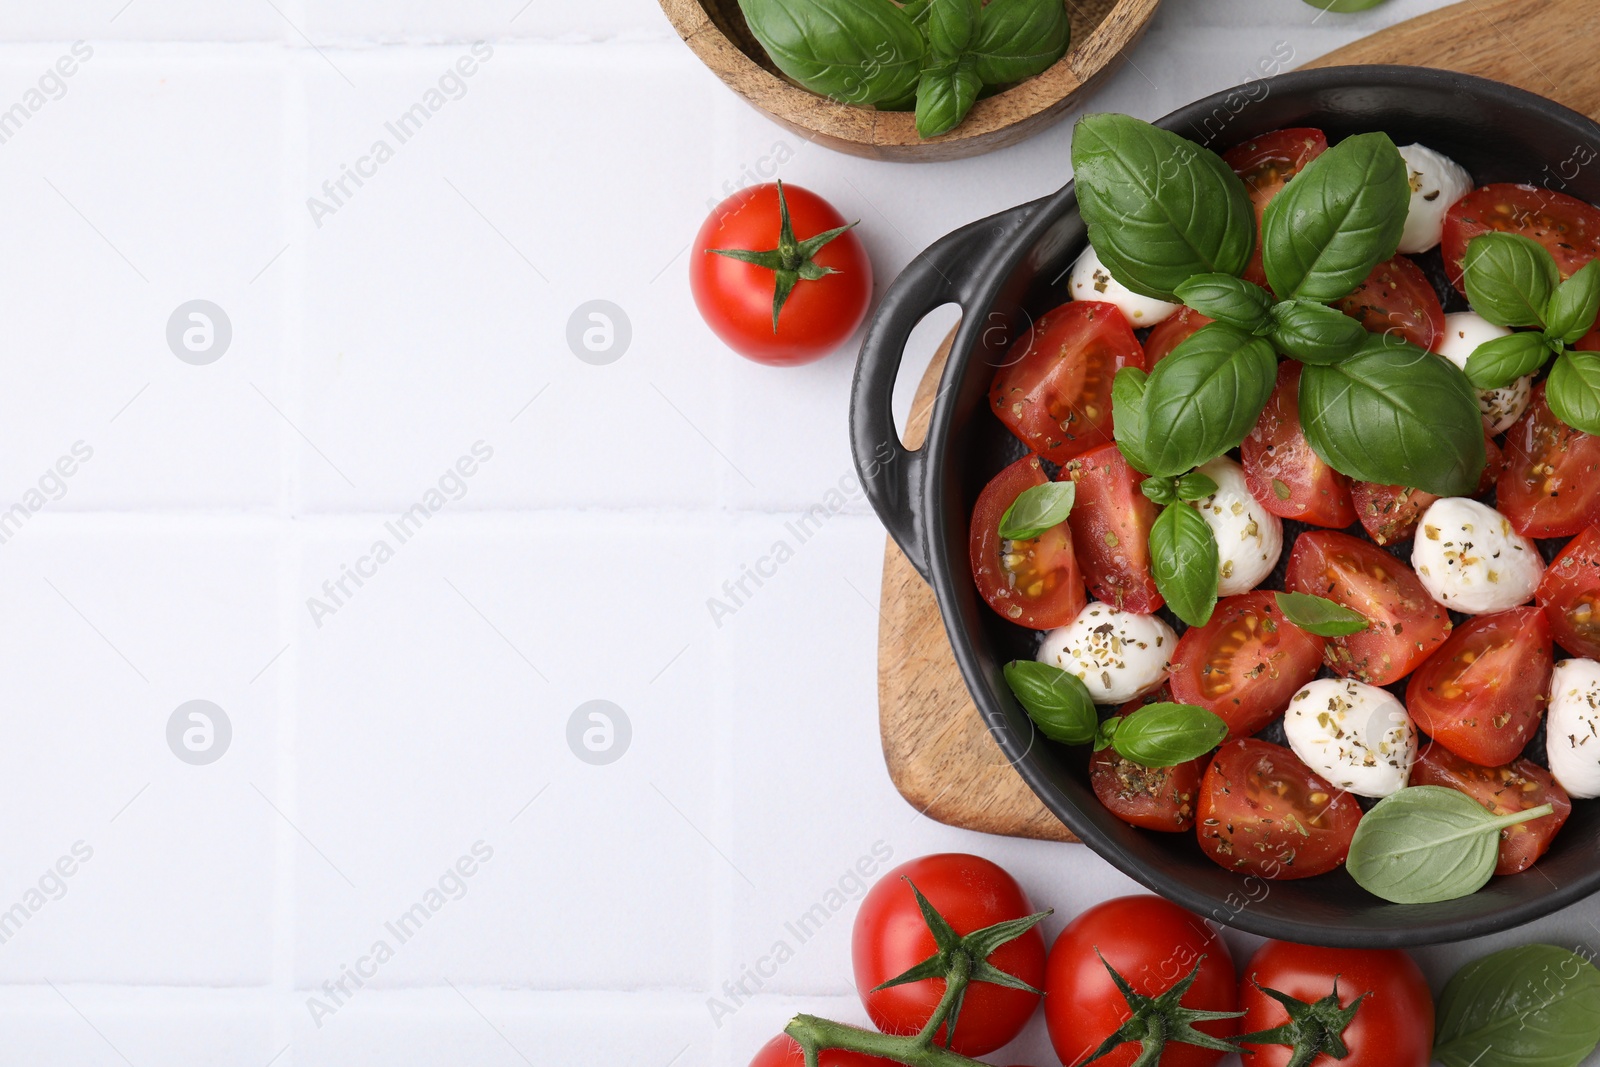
[[785, 1051]]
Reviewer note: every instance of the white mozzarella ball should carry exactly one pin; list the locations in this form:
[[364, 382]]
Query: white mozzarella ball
[[1355, 735], [1469, 558], [1464, 331], [1249, 537], [1090, 280], [1118, 654], [1437, 182], [1572, 732]]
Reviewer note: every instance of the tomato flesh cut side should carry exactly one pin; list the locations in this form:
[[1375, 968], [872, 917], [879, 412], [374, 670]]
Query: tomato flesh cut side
[[1033, 583], [1397, 299], [1565, 225], [1155, 798], [1265, 164], [1282, 472], [1390, 513], [1550, 486], [1264, 812], [1245, 663], [1569, 594], [1405, 623], [1171, 332], [1517, 786], [1110, 521], [1054, 391], [1482, 694]]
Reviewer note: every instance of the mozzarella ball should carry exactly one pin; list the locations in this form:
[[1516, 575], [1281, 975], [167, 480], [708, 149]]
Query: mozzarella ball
[[1118, 654], [1355, 735], [1437, 182], [1249, 537], [1464, 331], [1469, 558], [1090, 280], [1572, 732]]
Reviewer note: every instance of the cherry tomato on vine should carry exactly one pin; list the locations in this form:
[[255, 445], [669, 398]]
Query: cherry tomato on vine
[[1391, 1027], [891, 936], [779, 275], [785, 1051], [1155, 946]]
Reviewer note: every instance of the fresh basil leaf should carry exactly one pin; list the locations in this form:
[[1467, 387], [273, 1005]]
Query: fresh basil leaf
[[1526, 1006], [1184, 562], [1058, 703], [1320, 616], [1501, 361], [1574, 305], [1573, 390], [1161, 491], [1019, 38], [1315, 333], [1160, 208], [1196, 486], [1427, 843], [1127, 411], [1166, 734], [918, 11], [952, 24], [855, 51], [1038, 509], [1106, 733], [1340, 217], [1395, 415], [1509, 278], [1228, 299], [945, 93], [1203, 398]]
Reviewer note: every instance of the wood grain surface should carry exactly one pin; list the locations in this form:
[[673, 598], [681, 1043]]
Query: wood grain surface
[[939, 753]]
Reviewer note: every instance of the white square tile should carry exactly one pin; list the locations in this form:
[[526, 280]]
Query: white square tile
[[413, 20], [98, 1026], [435, 707], [146, 20], [172, 863], [154, 181]]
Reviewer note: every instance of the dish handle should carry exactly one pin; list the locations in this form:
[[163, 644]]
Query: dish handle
[[892, 475]]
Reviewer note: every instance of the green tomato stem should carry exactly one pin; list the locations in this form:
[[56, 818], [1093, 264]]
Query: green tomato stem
[[814, 1035]]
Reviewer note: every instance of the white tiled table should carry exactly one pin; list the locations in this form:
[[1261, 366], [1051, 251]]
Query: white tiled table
[[423, 713]]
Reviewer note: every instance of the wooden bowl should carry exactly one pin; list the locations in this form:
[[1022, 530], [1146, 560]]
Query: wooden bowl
[[1101, 29]]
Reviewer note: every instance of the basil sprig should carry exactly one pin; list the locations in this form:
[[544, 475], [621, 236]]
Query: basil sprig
[[934, 54], [1395, 415], [1513, 281], [1228, 299], [1320, 616], [1163, 734], [1057, 702], [1527, 1006], [1037, 509], [1160, 208], [1315, 333], [1427, 843]]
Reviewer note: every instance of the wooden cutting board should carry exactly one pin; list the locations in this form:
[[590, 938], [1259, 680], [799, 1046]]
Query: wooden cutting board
[[939, 752]]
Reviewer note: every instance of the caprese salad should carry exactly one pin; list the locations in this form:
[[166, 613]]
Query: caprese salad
[[1299, 445]]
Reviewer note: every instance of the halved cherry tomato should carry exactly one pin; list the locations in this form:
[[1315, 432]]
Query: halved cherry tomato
[[1569, 593], [1518, 786], [1156, 798], [890, 937], [1393, 1027], [1389, 513], [1481, 695], [1110, 523], [1171, 332], [1398, 299], [785, 1051], [1565, 225], [1245, 663], [1266, 164], [1406, 623], [1264, 812], [1284, 475], [1550, 486], [1153, 944], [1032, 583], [1589, 342], [1054, 391]]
